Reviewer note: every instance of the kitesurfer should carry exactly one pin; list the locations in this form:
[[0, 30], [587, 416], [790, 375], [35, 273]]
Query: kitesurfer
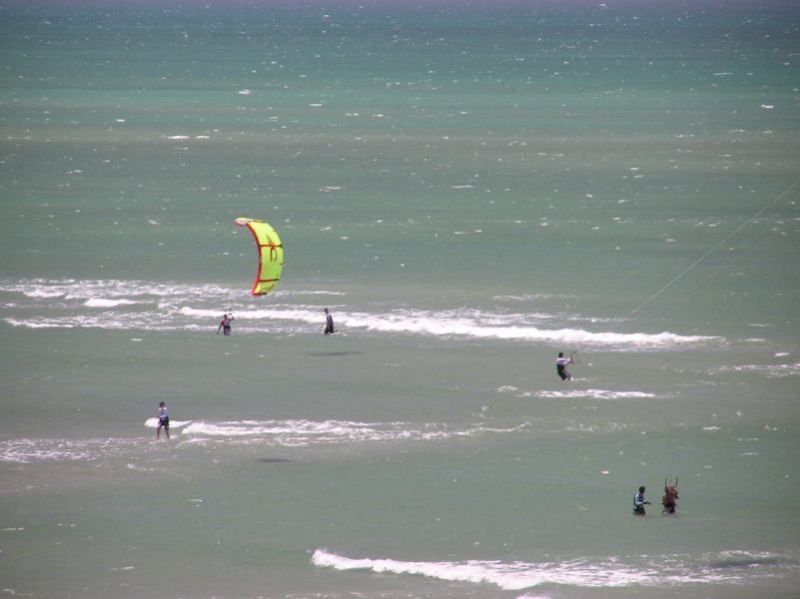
[[670, 498], [639, 502], [561, 366], [225, 325], [163, 420], [328, 323]]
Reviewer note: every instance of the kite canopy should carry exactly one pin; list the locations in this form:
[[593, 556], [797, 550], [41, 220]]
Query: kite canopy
[[270, 254]]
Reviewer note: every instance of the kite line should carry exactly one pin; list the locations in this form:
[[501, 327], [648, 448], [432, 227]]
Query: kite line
[[714, 248]]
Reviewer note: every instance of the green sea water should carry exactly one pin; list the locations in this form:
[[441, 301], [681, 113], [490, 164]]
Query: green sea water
[[469, 190]]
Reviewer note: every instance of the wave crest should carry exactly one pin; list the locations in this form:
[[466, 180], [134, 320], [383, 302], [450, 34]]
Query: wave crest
[[607, 572]]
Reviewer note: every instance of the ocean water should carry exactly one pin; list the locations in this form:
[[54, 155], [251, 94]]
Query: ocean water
[[470, 189]]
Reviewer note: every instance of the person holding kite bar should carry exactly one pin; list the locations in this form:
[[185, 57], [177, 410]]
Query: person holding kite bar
[[561, 366], [329, 330], [225, 325]]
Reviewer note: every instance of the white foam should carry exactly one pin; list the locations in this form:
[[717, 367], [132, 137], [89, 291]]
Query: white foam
[[43, 293], [100, 302], [591, 573], [506, 327], [768, 370], [296, 433], [203, 313], [506, 389], [103, 288], [24, 451], [595, 394], [522, 298], [39, 323], [198, 307], [173, 424]]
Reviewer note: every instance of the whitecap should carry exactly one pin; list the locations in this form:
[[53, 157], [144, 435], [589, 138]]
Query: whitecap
[[176, 311], [506, 389], [304, 433], [44, 293], [99, 302], [38, 324], [173, 424], [603, 572], [595, 394], [507, 328], [768, 370], [297, 433], [24, 450]]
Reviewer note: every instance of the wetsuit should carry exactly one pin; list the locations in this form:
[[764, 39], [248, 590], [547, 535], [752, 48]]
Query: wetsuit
[[329, 324]]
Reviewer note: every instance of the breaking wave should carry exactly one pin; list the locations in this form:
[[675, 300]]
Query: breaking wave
[[147, 306], [283, 433], [732, 567]]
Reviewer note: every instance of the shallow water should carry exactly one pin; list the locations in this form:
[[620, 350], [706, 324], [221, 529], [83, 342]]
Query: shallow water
[[469, 191]]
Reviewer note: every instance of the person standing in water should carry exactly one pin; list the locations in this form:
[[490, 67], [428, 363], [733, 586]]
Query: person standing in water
[[163, 420], [670, 498], [225, 325], [561, 366], [639, 502], [329, 330]]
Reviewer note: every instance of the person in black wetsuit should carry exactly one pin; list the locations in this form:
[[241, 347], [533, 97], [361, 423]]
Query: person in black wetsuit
[[163, 420], [329, 330]]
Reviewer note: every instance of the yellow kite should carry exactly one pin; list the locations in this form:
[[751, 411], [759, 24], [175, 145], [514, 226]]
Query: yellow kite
[[270, 254]]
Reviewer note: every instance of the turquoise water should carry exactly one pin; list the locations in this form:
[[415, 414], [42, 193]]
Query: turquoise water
[[470, 191]]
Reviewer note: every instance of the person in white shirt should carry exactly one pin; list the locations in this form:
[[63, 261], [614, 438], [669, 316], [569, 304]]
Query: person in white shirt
[[561, 366], [639, 502]]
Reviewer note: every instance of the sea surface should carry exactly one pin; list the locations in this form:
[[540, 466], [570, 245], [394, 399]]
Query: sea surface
[[470, 188]]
